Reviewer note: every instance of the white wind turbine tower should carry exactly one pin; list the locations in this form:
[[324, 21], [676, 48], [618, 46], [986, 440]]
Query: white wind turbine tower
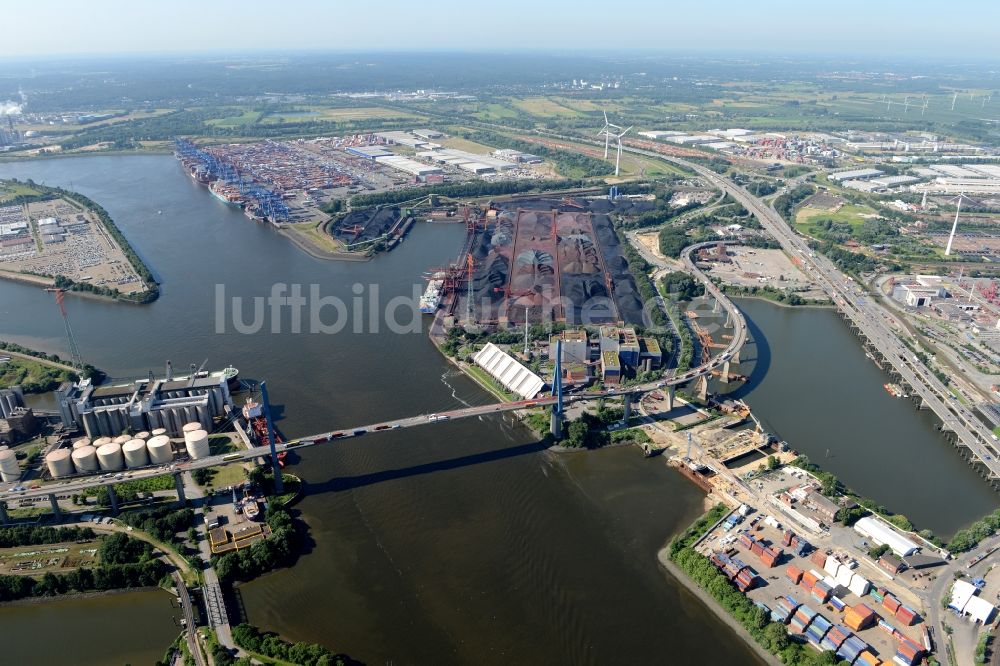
[[906, 104], [954, 98], [619, 137], [954, 226], [607, 134]]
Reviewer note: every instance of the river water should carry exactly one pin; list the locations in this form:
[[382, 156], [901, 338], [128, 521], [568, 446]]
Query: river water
[[457, 543], [814, 387], [133, 628], [460, 542]]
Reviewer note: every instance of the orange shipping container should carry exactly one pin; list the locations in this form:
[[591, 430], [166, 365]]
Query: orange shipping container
[[866, 658], [794, 573]]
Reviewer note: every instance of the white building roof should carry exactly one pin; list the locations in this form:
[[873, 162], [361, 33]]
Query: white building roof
[[881, 533], [855, 174], [961, 592], [506, 370], [979, 609]]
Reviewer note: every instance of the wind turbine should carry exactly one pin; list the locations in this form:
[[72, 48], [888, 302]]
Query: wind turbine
[[619, 137], [954, 98], [954, 226], [906, 104], [606, 131]]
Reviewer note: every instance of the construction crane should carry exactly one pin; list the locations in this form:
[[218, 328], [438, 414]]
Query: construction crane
[[74, 350]]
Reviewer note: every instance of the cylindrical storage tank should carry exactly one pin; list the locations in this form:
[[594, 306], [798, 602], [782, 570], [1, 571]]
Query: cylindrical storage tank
[[9, 469], [144, 435], [109, 457], [80, 443], [157, 432], [100, 441], [135, 454], [85, 459], [59, 462], [121, 439], [159, 449], [196, 442], [191, 427]]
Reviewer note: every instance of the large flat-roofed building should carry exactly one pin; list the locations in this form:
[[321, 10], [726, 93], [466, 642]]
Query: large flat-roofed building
[[611, 369], [145, 404], [855, 174], [575, 346], [650, 355], [407, 165], [368, 152], [426, 134]]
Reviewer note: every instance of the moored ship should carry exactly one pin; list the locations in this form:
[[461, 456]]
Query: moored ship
[[432, 297]]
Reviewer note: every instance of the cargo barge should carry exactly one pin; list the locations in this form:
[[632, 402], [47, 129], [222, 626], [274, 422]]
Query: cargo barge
[[431, 299]]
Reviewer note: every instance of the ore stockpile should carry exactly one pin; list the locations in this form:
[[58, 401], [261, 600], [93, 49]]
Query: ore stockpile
[[364, 225], [553, 260]]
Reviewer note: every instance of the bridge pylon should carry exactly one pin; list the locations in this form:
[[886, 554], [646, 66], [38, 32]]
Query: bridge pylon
[[555, 427]]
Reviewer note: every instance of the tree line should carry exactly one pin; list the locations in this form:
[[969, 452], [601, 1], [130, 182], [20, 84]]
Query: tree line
[[124, 563], [36, 535], [271, 645], [473, 188], [279, 549], [772, 636], [566, 162]]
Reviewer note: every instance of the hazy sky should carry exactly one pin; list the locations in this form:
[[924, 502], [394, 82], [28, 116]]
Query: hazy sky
[[959, 28]]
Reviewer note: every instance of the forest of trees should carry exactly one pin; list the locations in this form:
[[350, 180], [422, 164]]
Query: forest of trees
[[474, 188], [277, 550], [124, 563], [567, 163]]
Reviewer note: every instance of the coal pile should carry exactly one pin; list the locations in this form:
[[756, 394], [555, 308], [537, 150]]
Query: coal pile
[[365, 225], [546, 258]]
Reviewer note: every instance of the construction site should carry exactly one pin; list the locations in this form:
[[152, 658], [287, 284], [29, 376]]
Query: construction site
[[541, 259]]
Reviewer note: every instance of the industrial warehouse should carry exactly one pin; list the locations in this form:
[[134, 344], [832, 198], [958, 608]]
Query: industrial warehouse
[[146, 404]]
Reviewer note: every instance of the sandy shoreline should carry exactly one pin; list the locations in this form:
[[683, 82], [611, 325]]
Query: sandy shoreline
[[664, 559]]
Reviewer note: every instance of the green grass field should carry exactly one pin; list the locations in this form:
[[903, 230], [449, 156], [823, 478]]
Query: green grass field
[[11, 190], [544, 107], [848, 214], [31, 375]]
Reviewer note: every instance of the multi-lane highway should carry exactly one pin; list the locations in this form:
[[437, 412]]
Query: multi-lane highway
[[738, 323], [871, 321]]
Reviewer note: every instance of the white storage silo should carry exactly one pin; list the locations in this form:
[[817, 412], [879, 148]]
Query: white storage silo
[[121, 439], [80, 443], [85, 459], [144, 435], [196, 442], [100, 441], [59, 462], [159, 448], [9, 469], [135, 454], [109, 457], [156, 432], [191, 426]]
